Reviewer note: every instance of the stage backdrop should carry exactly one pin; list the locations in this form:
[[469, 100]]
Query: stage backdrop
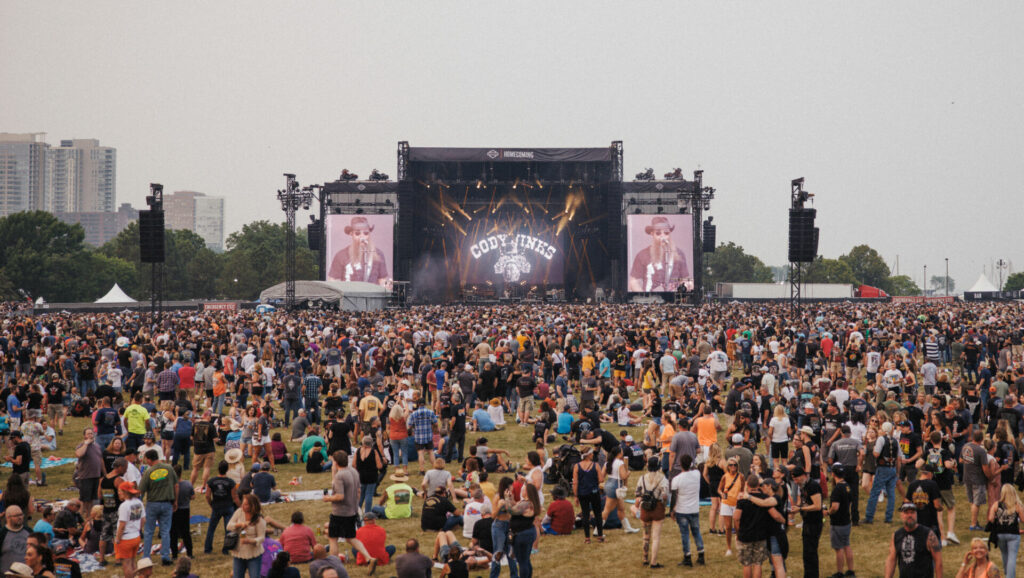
[[531, 257], [660, 251], [360, 248]]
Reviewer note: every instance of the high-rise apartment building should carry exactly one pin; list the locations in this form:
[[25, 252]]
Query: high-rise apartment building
[[196, 212], [83, 177], [23, 174]]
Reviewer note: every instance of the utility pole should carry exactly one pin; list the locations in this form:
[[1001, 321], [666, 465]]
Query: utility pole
[[924, 285], [947, 276]]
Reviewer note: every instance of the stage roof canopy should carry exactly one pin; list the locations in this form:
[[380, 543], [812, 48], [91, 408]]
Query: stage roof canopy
[[505, 155]]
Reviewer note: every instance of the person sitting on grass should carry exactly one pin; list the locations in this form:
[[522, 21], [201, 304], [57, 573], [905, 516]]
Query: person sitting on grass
[[316, 459], [561, 516]]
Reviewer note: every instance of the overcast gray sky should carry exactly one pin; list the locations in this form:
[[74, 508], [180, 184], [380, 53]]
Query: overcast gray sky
[[907, 119]]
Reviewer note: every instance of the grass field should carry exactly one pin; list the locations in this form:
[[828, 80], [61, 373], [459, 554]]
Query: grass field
[[559, 556]]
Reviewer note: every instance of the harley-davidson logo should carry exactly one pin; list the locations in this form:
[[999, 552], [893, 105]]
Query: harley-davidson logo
[[493, 154]]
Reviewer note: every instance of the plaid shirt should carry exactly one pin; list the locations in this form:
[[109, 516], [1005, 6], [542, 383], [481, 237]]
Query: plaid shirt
[[311, 389], [167, 380], [421, 422]]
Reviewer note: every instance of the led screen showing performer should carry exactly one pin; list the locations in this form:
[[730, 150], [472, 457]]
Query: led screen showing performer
[[660, 249], [360, 248], [517, 257]]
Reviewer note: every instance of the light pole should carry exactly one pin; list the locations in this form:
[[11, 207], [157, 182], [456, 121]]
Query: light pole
[[292, 198], [924, 285], [1001, 264], [947, 276]]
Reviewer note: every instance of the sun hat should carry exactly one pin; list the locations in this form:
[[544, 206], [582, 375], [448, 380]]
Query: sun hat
[[233, 456]]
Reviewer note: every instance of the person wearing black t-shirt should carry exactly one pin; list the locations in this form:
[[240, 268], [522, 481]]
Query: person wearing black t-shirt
[[338, 432], [810, 507], [436, 508], [939, 455], [840, 520], [222, 496], [915, 549], [924, 493], [20, 456], [752, 523]]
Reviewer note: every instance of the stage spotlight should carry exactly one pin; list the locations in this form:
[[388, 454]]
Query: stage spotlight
[[515, 184], [380, 211], [637, 211], [539, 185], [632, 200], [359, 211], [479, 184], [388, 202], [707, 206], [661, 209], [358, 201]]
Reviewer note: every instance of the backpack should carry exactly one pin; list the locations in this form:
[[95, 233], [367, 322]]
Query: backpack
[[648, 501]]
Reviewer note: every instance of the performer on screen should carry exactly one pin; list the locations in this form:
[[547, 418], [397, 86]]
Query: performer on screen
[[360, 261], [660, 266]]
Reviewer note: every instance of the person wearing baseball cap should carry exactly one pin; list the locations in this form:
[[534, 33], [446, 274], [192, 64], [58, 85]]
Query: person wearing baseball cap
[[741, 453], [840, 521], [915, 549], [131, 515]]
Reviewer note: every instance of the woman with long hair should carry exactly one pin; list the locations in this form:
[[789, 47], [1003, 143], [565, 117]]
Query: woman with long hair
[[523, 529], [251, 528], [500, 528], [40, 559], [779, 431], [616, 476], [368, 462], [730, 488], [282, 568], [587, 478], [1006, 515], [398, 434], [652, 496], [714, 469], [976, 563], [16, 494]]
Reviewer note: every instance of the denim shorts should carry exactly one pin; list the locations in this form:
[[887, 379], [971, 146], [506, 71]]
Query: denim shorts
[[610, 485], [773, 546]]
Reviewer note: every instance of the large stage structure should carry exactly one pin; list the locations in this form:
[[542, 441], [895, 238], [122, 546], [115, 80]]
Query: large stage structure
[[494, 224]]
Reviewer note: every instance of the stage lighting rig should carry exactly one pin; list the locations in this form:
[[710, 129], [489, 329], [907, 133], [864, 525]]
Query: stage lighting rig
[[675, 175], [646, 175], [347, 176], [378, 176], [292, 197]]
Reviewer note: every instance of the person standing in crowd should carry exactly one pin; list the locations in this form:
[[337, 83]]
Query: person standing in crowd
[[840, 521], [752, 524], [130, 519], [344, 500], [251, 527], [915, 550], [810, 506], [90, 467], [1005, 515], [652, 497], [974, 459], [422, 423], [221, 495], [849, 452], [160, 487], [686, 490], [887, 459], [587, 479]]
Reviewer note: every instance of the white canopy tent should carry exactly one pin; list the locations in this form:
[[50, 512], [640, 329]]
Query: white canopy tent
[[116, 295], [983, 285], [346, 295]]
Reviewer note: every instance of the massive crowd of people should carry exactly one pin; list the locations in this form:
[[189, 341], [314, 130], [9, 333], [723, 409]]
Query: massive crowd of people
[[815, 406]]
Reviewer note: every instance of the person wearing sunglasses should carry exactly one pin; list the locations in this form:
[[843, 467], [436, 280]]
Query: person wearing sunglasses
[[661, 266]]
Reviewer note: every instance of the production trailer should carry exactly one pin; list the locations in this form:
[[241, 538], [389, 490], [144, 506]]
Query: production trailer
[[773, 291]]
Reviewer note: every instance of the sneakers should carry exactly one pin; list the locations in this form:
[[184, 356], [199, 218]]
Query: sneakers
[[728, 552], [632, 530], [952, 538], [850, 574], [976, 529]]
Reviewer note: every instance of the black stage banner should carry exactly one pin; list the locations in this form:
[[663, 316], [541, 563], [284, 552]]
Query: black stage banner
[[657, 186], [443, 155]]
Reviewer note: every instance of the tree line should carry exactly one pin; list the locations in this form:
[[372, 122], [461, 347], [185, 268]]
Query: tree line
[[42, 256]]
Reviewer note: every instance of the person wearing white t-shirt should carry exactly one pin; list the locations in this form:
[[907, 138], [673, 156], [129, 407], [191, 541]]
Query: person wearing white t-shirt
[[779, 431], [718, 363], [473, 512], [686, 489], [131, 514]]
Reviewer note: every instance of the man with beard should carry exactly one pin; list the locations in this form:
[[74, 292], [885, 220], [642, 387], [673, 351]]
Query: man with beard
[[914, 549], [360, 261], [660, 266], [13, 538]]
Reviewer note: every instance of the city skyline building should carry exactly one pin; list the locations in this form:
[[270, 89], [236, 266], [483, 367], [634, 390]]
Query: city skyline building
[[197, 212], [23, 174]]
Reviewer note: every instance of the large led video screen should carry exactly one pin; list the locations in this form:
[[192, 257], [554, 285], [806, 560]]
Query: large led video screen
[[360, 248], [528, 253], [660, 251]]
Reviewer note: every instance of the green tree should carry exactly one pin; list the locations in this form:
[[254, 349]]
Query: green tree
[[48, 258], [901, 285], [938, 283], [868, 266], [823, 270], [731, 264], [190, 269], [1014, 282], [255, 260]]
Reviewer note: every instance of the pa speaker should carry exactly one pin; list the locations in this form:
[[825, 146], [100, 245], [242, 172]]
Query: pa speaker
[[709, 237], [151, 236], [313, 234], [803, 236]]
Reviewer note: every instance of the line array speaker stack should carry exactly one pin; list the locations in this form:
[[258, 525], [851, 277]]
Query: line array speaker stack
[[803, 236], [151, 236], [709, 237]]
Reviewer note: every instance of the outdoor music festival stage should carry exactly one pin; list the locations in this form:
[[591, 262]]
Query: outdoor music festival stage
[[508, 224]]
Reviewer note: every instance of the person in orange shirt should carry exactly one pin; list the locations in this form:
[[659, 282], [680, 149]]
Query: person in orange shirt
[[729, 489], [706, 427]]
